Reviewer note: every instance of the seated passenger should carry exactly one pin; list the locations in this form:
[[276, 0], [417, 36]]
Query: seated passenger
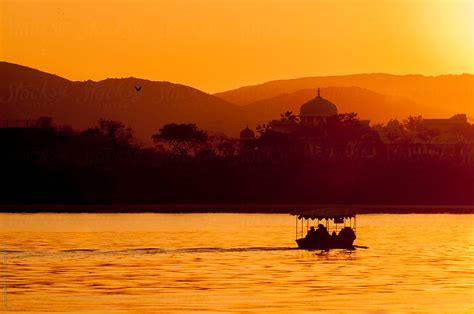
[[311, 233], [322, 232], [342, 233], [350, 233], [347, 234]]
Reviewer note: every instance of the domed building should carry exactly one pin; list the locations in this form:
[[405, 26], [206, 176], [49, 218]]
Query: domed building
[[247, 134], [316, 110], [312, 112]]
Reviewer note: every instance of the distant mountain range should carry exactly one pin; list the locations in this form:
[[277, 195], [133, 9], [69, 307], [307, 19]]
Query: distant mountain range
[[440, 95], [26, 93]]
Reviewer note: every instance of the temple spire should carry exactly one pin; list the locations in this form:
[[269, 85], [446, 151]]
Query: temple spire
[[318, 93]]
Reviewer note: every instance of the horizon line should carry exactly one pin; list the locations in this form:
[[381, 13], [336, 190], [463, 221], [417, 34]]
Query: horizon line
[[242, 86]]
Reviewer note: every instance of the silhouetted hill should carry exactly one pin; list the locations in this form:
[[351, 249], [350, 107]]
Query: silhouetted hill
[[439, 96], [27, 93], [368, 104]]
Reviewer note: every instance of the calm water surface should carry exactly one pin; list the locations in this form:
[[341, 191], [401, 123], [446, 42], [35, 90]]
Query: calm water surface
[[232, 263]]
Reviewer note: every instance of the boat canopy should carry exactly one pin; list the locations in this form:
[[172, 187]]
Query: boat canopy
[[326, 213]]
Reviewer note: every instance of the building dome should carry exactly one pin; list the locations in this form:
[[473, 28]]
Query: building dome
[[318, 107], [247, 133]]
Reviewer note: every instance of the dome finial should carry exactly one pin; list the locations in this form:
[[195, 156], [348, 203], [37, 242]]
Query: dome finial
[[318, 93]]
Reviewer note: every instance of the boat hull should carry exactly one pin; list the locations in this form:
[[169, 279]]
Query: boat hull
[[316, 244]]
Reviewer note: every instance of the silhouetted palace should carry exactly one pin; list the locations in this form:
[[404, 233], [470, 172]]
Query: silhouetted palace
[[316, 111]]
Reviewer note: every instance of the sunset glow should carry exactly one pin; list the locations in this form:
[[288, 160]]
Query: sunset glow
[[217, 45], [260, 156]]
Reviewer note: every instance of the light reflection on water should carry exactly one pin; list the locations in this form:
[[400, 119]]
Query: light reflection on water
[[234, 263]]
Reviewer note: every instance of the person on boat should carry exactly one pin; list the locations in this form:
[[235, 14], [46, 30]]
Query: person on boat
[[311, 233], [342, 233], [322, 232], [347, 234], [350, 233]]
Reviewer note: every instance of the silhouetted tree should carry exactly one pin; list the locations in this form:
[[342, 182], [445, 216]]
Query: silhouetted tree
[[393, 133], [343, 128], [227, 147], [417, 130], [288, 116], [116, 131], [181, 137], [263, 128]]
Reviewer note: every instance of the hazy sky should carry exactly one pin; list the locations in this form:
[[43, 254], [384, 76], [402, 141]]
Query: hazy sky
[[216, 45]]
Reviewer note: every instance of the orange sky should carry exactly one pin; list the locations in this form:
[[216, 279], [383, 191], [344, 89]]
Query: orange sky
[[216, 45]]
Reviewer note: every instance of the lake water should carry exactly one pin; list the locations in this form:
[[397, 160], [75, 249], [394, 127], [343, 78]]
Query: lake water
[[148, 263]]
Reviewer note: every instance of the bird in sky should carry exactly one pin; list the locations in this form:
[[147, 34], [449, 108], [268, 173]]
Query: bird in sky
[[138, 88]]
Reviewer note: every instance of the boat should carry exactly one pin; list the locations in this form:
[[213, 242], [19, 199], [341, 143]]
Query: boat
[[326, 228]]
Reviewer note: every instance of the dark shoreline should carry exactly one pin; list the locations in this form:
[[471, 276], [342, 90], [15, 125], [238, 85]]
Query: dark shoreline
[[232, 208]]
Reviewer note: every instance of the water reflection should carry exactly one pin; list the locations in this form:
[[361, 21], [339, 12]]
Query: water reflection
[[213, 262]]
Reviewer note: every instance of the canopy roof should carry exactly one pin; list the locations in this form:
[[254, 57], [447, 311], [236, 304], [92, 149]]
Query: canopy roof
[[326, 213]]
